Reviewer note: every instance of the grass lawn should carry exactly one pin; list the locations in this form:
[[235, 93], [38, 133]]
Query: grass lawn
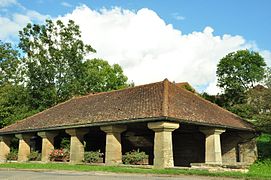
[[260, 170]]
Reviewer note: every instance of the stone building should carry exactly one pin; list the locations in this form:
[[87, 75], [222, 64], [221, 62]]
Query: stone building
[[174, 126]]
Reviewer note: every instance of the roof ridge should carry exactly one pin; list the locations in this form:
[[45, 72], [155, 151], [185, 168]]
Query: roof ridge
[[165, 98], [108, 92]]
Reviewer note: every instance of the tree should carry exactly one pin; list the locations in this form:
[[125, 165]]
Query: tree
[[9, 64], [13, 104], [54, 61], [239, 71], [100, 76]]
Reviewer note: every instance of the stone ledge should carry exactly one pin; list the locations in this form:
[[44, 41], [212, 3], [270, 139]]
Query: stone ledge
[[237, 167]]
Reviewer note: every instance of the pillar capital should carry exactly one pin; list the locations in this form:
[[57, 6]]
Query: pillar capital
[[5, 138], [163, 126], [24, 136], [114, 128], [47, 134], [210, 131], [77, 132]]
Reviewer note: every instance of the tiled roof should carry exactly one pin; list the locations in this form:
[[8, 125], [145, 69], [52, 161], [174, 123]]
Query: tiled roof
[[146, 102]]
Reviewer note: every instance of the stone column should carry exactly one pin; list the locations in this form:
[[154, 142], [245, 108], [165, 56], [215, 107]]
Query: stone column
[[212, 145], [77, 144], [24, 146], [113, 152], [47, 144], [163, 151], [4, 147]]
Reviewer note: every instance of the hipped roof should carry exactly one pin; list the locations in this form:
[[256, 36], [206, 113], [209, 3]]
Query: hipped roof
[[156, 101]]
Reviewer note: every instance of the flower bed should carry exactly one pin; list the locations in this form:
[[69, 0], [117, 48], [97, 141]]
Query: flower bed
[[61, 155]]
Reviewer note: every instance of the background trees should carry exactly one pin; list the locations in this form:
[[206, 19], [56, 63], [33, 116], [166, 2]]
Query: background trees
[[245, 81], [52, 69], [239, 71], [54, 61]]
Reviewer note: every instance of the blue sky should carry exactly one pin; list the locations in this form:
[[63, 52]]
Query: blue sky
[[222, 26], [249, 18]]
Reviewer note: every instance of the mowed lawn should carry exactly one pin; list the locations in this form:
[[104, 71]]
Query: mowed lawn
[[259, 170]]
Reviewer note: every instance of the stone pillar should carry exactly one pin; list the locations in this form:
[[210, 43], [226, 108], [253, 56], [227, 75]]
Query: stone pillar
[[4, 147], [212, 145], [163, 151], [24, 146], [47, 144], [77, 144], [113, 152]]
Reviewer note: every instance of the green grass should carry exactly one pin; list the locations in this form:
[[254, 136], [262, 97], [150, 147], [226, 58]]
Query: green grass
[[260, 170], [264, 146]]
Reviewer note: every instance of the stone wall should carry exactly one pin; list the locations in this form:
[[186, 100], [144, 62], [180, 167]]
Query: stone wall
[[248, 152], [229, 147], [188, 146]]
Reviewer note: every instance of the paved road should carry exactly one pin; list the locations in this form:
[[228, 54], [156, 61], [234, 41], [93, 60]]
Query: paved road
[[68, 175]]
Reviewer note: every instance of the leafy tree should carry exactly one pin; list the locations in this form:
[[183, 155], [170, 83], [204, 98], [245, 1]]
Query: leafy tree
[[100, 76], [9, 64], [54, 60], [13, 104], [239, 71]]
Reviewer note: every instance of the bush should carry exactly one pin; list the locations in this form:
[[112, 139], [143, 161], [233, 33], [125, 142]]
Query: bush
[[59, 155], [135, 157], [12, 155], [34, 156], [93, 156], [264, 146], [65, 143]]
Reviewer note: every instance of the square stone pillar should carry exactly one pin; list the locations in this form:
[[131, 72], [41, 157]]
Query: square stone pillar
[[24, 146], [113, 152], [47, 144], [4, 147], [212, 145], [163, 151], [77, 144]]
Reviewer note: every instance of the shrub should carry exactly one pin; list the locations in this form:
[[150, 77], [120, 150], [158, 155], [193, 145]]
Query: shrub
[[93, 156], [59, 155], [12, 155], [65, 143], [34, 156], [134, 157]]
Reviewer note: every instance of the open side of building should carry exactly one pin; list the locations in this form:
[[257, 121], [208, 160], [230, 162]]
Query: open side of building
[[174, 126]]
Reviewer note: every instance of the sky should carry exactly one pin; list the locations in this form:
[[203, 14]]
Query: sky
[[152, 40]]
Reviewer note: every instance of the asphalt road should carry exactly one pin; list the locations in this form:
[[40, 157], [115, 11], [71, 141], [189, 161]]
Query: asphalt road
[[68, 175]]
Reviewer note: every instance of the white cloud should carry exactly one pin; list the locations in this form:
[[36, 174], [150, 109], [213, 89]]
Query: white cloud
[[150, 50], [6, 3], [11, 23], [177, 16], [65, 4]]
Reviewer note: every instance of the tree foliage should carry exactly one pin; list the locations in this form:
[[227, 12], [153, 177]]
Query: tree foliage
[[52, 69], [54, 61], [13, 104], [9, 64], [239, 71], [100, 76]]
